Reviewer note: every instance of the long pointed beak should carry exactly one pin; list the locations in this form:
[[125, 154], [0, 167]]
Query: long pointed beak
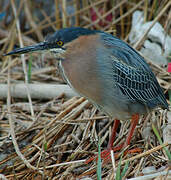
[[37, 47]]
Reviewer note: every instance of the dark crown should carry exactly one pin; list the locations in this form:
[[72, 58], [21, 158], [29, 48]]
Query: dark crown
[[69, 34]]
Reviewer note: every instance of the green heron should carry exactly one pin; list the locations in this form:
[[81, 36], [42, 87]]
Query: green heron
[[105, 70]]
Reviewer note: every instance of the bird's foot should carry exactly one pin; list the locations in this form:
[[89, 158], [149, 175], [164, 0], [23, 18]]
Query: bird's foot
[[106, 154]]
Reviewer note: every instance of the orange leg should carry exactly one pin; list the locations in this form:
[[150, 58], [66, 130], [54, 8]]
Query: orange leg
[[106, 153], [112, 137], [134, 122]]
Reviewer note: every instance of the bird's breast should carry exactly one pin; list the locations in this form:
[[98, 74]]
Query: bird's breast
[[79, 68]]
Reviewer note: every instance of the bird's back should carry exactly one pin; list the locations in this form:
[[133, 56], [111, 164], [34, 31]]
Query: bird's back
[[132, 75]]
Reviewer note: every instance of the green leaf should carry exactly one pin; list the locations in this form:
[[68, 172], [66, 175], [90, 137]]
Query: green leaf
[[29, 69], [99, 164], [118, 171], [45, 146], [125, 169], [169, 95], [160, 141]]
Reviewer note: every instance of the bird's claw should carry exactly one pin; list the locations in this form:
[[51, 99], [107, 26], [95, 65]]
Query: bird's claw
[[106, 154]]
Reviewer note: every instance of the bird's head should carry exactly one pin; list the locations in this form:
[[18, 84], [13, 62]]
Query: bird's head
[[55, 43]]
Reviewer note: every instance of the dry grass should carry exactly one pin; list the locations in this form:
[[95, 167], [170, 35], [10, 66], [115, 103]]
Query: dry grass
[[41, 139]]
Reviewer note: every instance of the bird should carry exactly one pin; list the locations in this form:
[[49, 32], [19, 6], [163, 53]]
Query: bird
[[105, 70]]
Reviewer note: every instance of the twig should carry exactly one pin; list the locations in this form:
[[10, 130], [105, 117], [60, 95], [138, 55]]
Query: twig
[[22, 58], [113, 162], [107, 13], [37, 91], [64, 14], [145, 153], [142, 39], [125, 15], [63, 164], [12, 128], [27, 40], [31, 21], [2, 177], [151, 176]]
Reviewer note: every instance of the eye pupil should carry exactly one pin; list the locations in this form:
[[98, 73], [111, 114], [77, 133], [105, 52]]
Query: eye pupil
[[60, 43]]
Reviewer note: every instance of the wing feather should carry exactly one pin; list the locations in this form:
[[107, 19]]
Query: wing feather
[[132, 74]]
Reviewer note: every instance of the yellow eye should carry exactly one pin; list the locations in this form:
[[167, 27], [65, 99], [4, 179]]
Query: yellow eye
[[60, 43]]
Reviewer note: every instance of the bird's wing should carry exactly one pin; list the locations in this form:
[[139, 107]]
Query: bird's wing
[[132, 74]]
